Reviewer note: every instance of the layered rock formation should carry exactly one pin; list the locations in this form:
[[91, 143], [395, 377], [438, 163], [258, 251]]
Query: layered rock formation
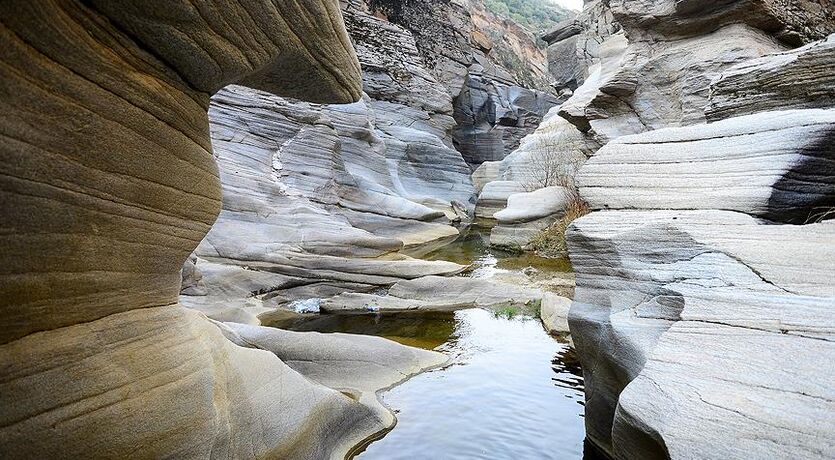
[[697, 315], [325, 199], [492, 68], [322, 199], [108, 185]]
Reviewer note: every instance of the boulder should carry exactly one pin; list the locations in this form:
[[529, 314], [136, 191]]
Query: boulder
[[554, 313], [530, 206], [516, 236], [493, 197], [778, 165]]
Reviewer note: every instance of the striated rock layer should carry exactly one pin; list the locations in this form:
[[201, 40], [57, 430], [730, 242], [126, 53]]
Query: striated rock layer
[[698, 322], [324, 199], [108, 185]]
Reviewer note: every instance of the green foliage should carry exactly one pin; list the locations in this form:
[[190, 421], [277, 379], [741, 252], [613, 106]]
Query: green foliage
[[508, 312], [536, 15]]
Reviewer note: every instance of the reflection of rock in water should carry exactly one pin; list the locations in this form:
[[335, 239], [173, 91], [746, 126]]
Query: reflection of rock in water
[[566, 365], [425, 330]]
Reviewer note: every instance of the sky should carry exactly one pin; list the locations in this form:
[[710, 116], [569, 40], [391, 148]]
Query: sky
[[573, 4]]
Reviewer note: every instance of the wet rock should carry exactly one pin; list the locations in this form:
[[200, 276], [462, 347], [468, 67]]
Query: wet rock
[[357, 365]]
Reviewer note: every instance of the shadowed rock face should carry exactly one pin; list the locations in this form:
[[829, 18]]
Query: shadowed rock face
[[108, 184]]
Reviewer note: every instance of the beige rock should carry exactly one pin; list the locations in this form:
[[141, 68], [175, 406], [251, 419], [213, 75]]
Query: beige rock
[[554, 313], [108, 185]]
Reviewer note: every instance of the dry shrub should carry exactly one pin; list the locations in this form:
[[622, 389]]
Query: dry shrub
[[550, 242]]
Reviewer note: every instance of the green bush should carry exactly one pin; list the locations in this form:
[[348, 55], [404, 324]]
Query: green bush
[[536, 15]]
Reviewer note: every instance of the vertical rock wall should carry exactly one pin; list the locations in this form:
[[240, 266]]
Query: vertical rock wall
[[698, 328], [108, 184]]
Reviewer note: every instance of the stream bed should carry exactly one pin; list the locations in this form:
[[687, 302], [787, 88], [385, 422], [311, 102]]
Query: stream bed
[[511, 391]]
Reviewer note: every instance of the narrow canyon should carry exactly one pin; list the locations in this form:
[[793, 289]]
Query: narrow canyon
[[417, 229]]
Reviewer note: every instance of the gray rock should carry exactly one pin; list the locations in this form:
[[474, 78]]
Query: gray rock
[[530, 206], [778, 165], [493, 197], [434, 293], [657, 289], [493, 117], [357, 365], [797, 79], [516, 236]]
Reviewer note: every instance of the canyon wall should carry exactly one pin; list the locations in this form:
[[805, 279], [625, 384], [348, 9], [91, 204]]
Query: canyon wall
[[704, 272], [492, 68], [108, 184], [324, 199]]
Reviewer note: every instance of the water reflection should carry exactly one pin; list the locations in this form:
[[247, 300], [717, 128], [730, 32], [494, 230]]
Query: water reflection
[[424, 330], [498, 399], [473, 247]]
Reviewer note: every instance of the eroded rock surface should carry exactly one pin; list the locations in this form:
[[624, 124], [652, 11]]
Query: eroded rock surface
[[799, 78], [653, 287], [685, 320], [109, 183], [778, 165]]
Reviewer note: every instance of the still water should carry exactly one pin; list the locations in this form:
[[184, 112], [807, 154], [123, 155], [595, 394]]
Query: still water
[[511, 391]]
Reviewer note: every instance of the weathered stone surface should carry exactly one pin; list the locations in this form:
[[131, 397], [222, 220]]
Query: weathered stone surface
[[163, 381], [659, 290], [554, 313], [108, 185], [574, 45], [492, 69], [529, 206], [356, 365], [486, 172], [319, 192], [643, 84], [797, 79], [779, 165], [492, 117], [493, 197], [436, 293], [139, 107], [517, 236], [794, 22]]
